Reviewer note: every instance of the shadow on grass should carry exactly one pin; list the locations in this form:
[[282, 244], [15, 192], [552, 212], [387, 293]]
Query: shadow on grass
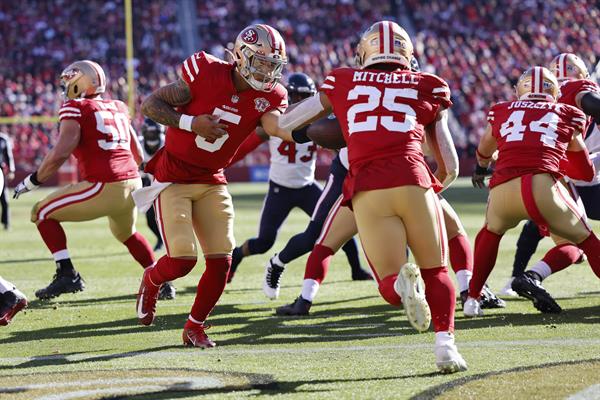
[[75, 259]]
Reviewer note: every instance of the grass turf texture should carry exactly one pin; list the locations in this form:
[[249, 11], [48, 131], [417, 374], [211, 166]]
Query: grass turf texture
[[352, 346]]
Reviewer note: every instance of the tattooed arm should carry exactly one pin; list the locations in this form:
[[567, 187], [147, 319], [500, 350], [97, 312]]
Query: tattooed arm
[[160, 107]]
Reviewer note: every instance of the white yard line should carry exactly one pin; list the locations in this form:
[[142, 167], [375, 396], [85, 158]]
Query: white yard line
[[559, 342]]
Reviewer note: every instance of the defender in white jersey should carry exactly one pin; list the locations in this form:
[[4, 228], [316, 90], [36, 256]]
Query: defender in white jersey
[[291, 179]]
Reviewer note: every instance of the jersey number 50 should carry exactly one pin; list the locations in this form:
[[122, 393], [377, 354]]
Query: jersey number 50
[[116, 126], [389, 102]]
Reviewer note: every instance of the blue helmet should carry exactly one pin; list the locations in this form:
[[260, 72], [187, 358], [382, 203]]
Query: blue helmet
[[301, 84]]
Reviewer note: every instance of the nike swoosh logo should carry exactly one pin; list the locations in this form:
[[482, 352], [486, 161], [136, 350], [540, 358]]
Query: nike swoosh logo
[[75, 280], [141, 314]]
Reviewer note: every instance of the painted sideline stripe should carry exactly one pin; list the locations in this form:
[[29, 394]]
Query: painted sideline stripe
[[591, 392], [307, 350]]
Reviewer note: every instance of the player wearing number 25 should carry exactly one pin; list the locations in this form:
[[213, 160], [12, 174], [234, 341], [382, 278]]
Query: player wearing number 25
[[209, 112], [385, 111], [98, 133], [538, 141]]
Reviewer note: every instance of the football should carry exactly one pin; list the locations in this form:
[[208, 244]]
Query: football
[[326, 132]]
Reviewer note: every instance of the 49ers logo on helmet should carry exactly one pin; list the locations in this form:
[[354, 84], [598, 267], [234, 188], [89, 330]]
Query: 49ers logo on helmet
[[250, 36]]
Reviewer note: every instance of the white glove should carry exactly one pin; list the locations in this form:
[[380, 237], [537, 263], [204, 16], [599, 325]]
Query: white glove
[[27, 185]]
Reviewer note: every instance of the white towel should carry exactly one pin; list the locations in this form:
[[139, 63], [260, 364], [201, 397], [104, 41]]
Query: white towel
[[145, 196]]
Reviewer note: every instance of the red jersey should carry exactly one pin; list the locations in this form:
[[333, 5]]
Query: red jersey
[[570, 89], [383, 115], [104, 150], [532, 137], [189, 158]]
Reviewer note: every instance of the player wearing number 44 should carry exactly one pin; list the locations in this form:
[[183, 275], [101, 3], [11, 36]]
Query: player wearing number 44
[[209, 112], [98, 133], [538, 141]]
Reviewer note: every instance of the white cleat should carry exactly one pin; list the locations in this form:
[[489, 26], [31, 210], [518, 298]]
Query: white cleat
[[411, 289], [271, 285], [448, 359], [472, 308], [507, 290]]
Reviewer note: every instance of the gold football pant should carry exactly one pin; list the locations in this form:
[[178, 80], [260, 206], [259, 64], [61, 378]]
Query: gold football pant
[[389, 219], [85, 201], [203, 209]]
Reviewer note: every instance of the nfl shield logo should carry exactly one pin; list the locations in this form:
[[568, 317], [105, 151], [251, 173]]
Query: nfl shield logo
[[261, 104], [235, 99]]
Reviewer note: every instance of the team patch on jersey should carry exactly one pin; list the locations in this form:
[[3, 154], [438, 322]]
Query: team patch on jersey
[[250, 36], [261, 104]]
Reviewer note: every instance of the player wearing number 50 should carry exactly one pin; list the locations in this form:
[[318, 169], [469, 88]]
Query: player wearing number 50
[[209, 112], [538, 141], [385, 110], [98, 133]]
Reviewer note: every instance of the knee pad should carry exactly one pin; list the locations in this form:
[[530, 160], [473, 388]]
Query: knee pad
[[387, 291]]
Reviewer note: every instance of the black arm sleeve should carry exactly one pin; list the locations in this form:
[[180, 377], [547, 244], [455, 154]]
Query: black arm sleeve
[[590, 104]]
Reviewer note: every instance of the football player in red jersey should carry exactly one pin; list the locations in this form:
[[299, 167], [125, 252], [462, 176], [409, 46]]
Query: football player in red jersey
[[11, 300], [577, 90], [533, 135], [209, 112], [384, 109], [98, 133]]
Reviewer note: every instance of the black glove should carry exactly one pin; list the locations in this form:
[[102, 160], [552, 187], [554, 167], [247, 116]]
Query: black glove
[[300, 135], [478, 177]]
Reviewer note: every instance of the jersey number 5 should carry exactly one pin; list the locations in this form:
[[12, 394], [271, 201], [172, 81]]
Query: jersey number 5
[[389, 103], [211, 147]]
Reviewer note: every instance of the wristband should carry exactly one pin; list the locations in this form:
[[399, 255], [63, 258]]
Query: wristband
[[185, 122], [34, 179], [300, 135], [482, 156]]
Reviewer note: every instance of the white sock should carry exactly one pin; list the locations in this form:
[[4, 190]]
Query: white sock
[[275, 260], [463, 277], [61, 255], [444, 338], [542, 269], [6, 286], [310, 288], [192, 319]]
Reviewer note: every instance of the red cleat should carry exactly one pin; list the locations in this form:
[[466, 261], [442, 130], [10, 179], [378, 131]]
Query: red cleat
[[13, 302], [194, 336], [146, 299]]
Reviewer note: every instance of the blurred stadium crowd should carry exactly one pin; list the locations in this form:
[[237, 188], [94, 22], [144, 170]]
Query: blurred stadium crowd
[[479, 47]]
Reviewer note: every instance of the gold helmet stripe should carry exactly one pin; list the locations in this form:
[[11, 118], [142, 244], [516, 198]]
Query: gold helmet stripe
[[276, 45], [562, 66], [391, 36], [537, 80]]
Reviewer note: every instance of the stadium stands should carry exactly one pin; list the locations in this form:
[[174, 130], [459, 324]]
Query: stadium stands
[[479, 50]]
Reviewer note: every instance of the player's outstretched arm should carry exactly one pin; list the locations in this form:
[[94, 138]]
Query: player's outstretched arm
[[589, 102], [485, 155], [286, 126], [578, 164], [441, 145], [70, 133], [160, 107]]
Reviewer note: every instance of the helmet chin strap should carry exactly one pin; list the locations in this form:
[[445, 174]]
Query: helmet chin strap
[[538, 97]]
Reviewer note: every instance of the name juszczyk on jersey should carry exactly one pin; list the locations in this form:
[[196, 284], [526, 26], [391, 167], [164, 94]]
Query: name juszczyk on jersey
[[532, 104], [384, 77]]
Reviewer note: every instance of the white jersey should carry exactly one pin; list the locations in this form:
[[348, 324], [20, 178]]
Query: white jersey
[[292, 164], [344, 158]]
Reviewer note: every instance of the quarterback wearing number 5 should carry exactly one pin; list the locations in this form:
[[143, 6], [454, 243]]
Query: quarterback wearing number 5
[[209, 112], [98, 133]]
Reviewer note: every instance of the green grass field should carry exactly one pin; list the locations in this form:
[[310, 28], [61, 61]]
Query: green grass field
[[90, 345]]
